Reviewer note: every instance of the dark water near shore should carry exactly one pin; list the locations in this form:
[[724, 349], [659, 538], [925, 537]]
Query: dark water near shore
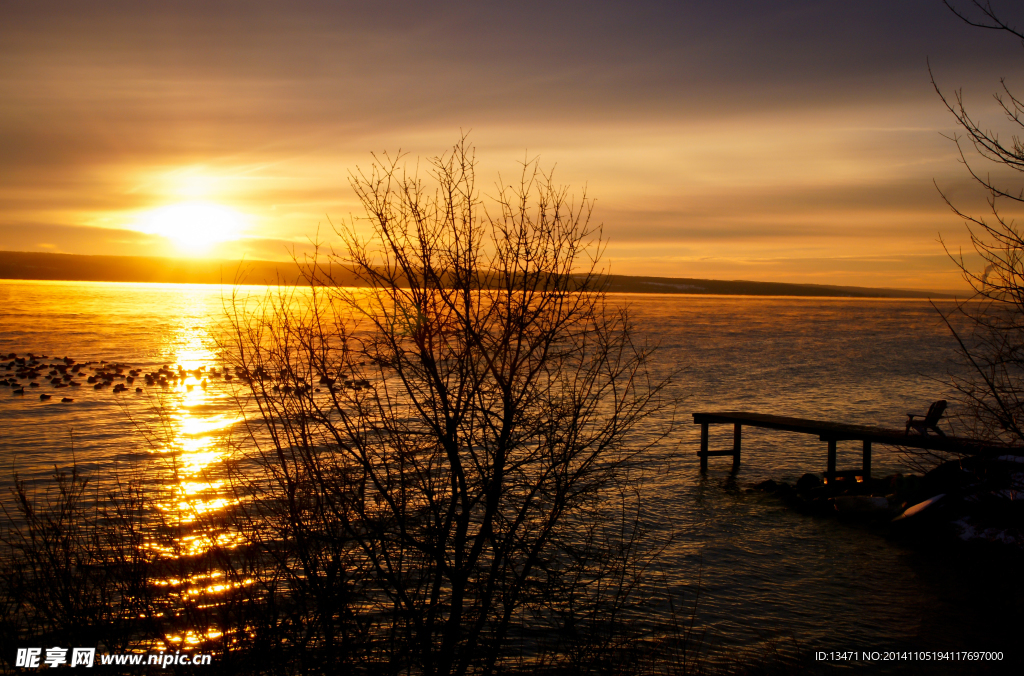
[[768, 576]]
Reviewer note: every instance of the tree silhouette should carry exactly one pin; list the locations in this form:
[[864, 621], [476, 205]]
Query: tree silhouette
[[447, 445], [990, 325]]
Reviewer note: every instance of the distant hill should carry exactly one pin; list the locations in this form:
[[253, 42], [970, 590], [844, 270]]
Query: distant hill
[[32, 265], [629, 284]]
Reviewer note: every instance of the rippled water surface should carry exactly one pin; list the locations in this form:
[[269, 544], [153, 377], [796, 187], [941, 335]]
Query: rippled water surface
[[768, 576]]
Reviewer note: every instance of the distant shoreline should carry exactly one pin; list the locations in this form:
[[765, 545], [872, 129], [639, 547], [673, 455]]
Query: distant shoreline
[[25, 265]]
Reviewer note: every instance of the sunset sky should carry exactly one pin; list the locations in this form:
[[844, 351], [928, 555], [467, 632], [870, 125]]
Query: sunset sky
[[788, 141]]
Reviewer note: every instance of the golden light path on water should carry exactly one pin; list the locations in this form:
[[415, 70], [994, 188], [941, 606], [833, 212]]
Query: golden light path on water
[[200, 405], [193, 441], [191, 453]]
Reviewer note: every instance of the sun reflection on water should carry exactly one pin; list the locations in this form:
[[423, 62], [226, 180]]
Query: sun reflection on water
[[193, 426], [194, 638], [196, 544], [197, 413], [204, 583], [193, 487], [153, 352]]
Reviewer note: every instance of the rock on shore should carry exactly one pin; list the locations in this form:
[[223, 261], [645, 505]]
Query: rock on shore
[[974, 500]]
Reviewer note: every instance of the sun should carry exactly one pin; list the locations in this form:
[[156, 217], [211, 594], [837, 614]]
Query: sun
[[195, 227]]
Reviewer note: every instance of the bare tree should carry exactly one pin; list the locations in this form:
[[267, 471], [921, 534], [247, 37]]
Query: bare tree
[[450, 472], [990, 325]]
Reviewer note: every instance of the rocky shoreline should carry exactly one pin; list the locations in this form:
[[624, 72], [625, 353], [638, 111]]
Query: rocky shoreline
[[971, 500]]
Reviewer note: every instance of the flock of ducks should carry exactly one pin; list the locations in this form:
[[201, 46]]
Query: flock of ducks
[[66, 373], [30, 367]]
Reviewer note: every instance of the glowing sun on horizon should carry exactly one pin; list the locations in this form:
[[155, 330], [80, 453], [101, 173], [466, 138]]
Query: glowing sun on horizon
[[195, 227]]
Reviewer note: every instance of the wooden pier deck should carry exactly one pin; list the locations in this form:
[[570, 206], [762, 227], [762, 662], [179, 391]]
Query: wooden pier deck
[[832, 433]]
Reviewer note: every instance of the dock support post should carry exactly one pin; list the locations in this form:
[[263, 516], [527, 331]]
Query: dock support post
[[736, 434], [830, 473], [703, 447], [867, 460]]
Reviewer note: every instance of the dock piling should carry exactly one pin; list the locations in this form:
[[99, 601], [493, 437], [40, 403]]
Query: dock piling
[[704, 453], [704, 447], [830, 473], [736, 434], [867, 460]]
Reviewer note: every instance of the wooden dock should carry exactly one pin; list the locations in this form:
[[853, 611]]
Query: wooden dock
[[832, 433]]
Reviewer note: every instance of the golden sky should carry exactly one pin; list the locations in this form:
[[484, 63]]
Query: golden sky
[[782, 141]]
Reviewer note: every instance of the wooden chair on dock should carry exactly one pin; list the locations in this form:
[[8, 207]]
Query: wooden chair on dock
[[929, 421]]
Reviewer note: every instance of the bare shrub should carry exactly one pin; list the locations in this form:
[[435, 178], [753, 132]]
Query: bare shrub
[[73, 568]]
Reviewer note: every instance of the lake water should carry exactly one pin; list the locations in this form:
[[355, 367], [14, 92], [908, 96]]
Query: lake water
[[768, 576]]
